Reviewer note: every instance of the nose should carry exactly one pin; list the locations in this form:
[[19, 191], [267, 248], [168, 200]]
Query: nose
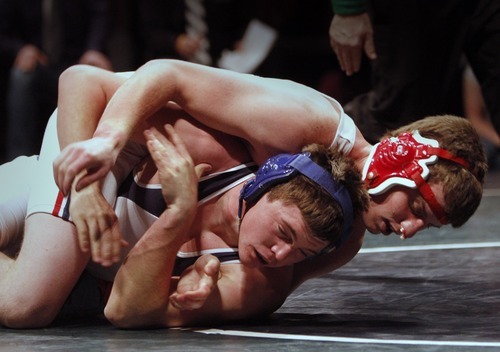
[[409, 228], [281, 251]]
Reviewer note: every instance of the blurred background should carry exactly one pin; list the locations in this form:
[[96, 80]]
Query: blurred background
[[287, 39]]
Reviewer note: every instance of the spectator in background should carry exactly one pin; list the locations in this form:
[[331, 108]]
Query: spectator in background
[[301, 51], [279, 38], [39, 39], [165, 28], [289, 39], [477, 113], [416, 47]]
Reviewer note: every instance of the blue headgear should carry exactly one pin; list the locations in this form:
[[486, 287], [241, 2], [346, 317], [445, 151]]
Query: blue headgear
[[283, 167]]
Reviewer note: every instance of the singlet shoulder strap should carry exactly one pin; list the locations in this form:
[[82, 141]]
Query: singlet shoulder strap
[[345, 137]]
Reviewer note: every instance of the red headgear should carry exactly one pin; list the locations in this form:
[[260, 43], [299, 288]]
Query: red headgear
[[403, 161]]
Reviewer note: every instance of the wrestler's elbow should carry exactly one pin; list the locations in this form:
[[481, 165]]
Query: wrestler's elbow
[[75, 73], [124, 316], [118, 314], [165, 70]]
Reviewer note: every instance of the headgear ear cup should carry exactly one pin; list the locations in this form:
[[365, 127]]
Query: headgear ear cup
[[404, 161], [275, 170], [283, 167], [389, 159]]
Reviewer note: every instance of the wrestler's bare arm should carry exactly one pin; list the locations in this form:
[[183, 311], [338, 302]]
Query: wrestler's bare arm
[[84, 94], [240, 293], [270, 115], [237, 292], [142, 284], [242, 105]]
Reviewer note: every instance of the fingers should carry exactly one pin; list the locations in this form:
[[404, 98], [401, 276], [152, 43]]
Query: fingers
[[201, 169], [90, 178], [107, 242], [191, 300], [63, 173], [102, 238], [355, 62], [211, 268], [348, 63], [112, 247], [205, 275], [350, 36], [152, 134], [177, 141], [83, 236], [95, 249], [208, 265], [90, 160], [161, 146], [109, 251], [66, 176], [170, 140], [350, 59], [66, 167], [336, 50], [369, 48]]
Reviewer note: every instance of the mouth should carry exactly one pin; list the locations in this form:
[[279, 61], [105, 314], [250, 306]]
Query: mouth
[[387, 228]]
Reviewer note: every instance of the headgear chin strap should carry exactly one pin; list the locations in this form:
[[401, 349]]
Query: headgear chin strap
[[283, 167], [403, 161]]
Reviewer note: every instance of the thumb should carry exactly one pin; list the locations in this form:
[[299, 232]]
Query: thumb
[[211, 268], [202, 168]]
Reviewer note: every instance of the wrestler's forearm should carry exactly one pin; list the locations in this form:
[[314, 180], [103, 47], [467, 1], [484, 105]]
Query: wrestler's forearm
[[139, 98], [272, 115], [140, 294]]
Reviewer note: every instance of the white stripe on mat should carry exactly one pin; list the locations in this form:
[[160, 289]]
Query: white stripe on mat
[[345, 339]]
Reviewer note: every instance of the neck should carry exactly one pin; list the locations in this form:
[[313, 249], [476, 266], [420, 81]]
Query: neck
[[224, 221], [360, 151]]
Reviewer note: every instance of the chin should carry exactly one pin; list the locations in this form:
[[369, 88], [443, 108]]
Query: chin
[[374, 230], [245, 260]]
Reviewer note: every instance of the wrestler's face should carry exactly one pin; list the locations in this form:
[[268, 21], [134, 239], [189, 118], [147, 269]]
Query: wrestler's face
[[272, 234], [401, 208]]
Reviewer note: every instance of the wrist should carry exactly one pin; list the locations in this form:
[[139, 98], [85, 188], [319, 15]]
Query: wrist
[[115, 134], [92, 188], [177, 218], [171, 230]]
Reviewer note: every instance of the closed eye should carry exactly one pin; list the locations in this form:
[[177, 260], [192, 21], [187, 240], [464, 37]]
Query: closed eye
[[418, 209], [308, 253], [284, 235]]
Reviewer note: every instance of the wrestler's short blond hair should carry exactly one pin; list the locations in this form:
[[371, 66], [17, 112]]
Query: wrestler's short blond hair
[[322, 214]]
